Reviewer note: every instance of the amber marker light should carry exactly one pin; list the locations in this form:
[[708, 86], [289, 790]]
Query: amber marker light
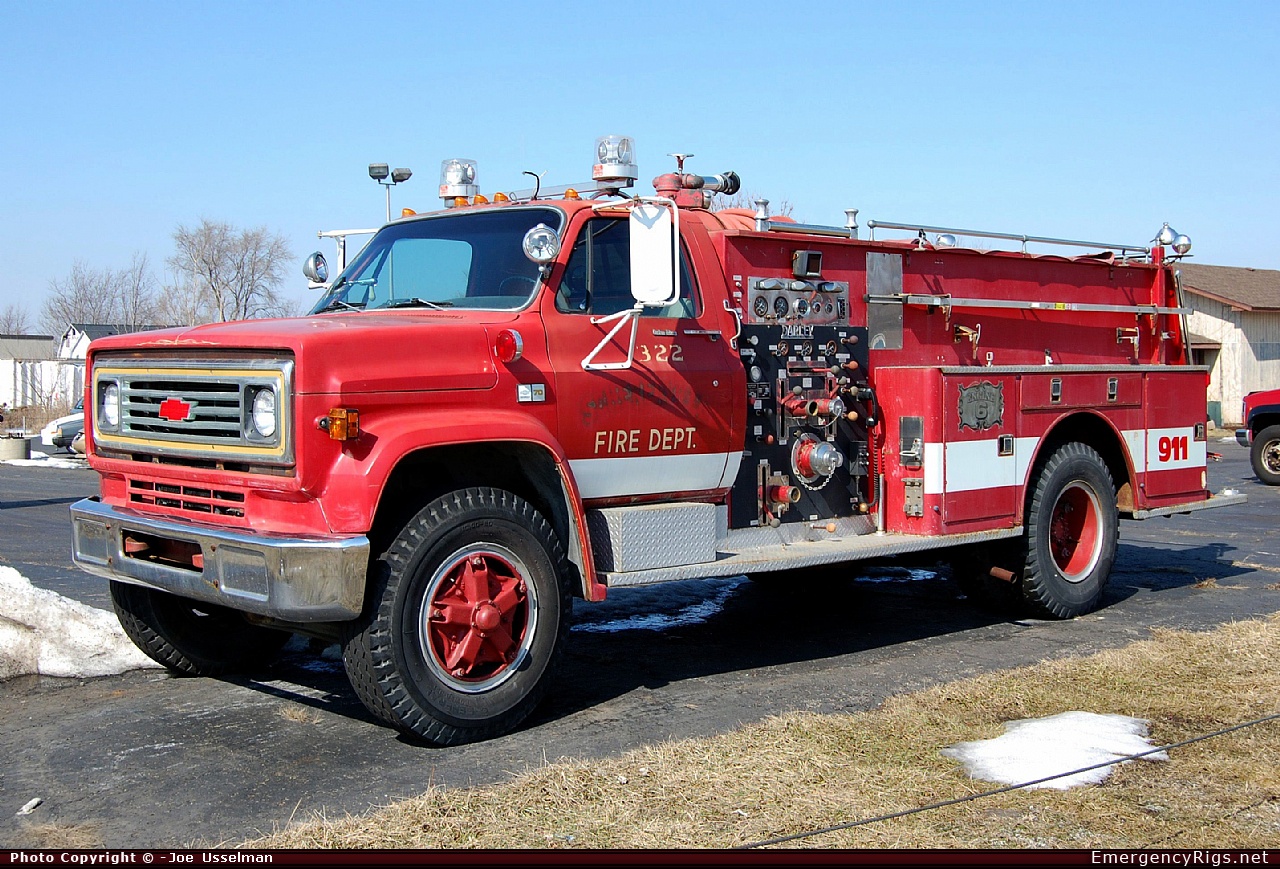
[[407, 212], [571, 194], [501, 197], [508, 346], [342, 423], [460, 201], [480, 199]]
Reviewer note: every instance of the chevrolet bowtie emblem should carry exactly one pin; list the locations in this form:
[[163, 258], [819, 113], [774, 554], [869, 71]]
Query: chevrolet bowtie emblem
[[175, 410]]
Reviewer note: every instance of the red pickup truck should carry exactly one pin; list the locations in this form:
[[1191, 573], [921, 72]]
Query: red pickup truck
[[1261, 433]]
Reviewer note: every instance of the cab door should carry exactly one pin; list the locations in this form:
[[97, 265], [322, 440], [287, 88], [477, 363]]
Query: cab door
[[663, 425]]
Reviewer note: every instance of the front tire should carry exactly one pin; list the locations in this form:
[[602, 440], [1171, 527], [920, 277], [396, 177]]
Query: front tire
[[193, 638], [468, 613], [1264, 455], [1072, 530]]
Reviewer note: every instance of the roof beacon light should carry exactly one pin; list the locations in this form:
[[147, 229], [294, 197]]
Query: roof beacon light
[[615, 159], [457, 180]]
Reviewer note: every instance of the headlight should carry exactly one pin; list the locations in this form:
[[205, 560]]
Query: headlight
[[263, 416], [109, 405]]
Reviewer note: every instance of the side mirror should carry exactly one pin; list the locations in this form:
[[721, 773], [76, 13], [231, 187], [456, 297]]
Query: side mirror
[[316, 269], [654, 276]]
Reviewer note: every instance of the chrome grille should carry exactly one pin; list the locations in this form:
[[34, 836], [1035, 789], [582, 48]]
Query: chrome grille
[[184, 409], [215, 408]]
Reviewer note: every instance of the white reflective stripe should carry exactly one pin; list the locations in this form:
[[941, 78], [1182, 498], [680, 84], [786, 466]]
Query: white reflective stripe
[[970, 466], [1136, 441], [651, 475], [1169, 449], [730, 470], [933, 469]]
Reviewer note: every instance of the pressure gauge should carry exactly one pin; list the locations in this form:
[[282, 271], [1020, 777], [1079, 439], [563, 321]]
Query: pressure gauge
[[760, 306], [802, 307], [780, 306]]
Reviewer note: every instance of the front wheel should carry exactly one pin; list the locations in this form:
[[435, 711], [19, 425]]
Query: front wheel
[[467, 619], [1072, 529], [1265, 455]]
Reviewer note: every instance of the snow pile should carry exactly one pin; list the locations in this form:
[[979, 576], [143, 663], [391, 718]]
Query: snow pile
[[44, 633], [47, 461], [1040, 747]]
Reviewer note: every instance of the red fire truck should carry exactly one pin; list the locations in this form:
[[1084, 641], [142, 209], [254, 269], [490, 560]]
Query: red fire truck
[[503, 405]]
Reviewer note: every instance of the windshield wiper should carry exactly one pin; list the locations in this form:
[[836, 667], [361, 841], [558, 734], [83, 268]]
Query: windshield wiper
[[416, 302], [339, 303]]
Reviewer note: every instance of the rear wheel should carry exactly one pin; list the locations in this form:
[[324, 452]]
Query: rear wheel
[[1072, 528], [469, 611], [1265, 455], [190, 637]]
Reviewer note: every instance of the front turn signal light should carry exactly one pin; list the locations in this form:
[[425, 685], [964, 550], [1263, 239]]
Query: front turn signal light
[[342, 423]]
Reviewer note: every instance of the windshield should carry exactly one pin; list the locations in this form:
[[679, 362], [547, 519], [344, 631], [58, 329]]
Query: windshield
[[468, 260]]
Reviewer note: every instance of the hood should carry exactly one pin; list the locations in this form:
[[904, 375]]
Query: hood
[[400, 351]]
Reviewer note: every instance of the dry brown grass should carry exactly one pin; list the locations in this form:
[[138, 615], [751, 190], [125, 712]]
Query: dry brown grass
[[802, 771], [61, 836], [299, 714]]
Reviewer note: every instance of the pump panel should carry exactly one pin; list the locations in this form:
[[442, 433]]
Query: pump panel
[[807, 405]]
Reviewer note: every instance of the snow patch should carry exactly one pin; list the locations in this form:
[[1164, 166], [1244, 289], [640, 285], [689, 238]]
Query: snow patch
[[43, 633], [694, 613], [1036, 748], [47, 461]]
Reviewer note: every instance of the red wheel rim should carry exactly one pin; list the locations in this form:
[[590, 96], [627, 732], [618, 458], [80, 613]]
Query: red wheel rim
[[476, 620], [1075, 532]]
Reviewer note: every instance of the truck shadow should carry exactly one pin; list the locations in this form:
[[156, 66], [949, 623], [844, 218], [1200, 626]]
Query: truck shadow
[[652, 637], [821, 614]]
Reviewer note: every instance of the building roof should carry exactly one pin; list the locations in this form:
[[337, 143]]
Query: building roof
[[101, 330], [1242, 288], [28, 347]]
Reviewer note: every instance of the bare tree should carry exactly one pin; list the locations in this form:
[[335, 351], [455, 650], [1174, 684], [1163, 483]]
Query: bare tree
[[124, 297], [747, 199], [14, 320], [226, 273], [136, 294], [120, 297]]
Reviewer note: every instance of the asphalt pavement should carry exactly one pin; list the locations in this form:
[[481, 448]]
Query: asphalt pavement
[[147, 759]]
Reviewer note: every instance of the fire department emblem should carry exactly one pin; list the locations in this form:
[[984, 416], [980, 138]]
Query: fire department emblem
[[981, 406]]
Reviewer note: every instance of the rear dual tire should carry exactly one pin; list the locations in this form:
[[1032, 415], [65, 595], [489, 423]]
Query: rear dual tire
[[1059, 567]]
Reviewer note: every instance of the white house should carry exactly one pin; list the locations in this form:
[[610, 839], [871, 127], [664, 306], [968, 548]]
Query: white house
[[1235, 329], [30, 375]]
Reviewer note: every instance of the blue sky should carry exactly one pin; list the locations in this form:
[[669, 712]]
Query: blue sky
[[122, 120]]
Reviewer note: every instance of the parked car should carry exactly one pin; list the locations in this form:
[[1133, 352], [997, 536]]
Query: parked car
[[77, 443], [1261, 433], [62, 431]]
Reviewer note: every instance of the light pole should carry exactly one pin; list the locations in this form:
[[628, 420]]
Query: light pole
[[379, 172]]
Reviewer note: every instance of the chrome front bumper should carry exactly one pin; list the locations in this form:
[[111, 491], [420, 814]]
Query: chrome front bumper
[[295, 579]]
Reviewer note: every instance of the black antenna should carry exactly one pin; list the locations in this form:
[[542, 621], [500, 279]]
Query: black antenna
[[537, 183]]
